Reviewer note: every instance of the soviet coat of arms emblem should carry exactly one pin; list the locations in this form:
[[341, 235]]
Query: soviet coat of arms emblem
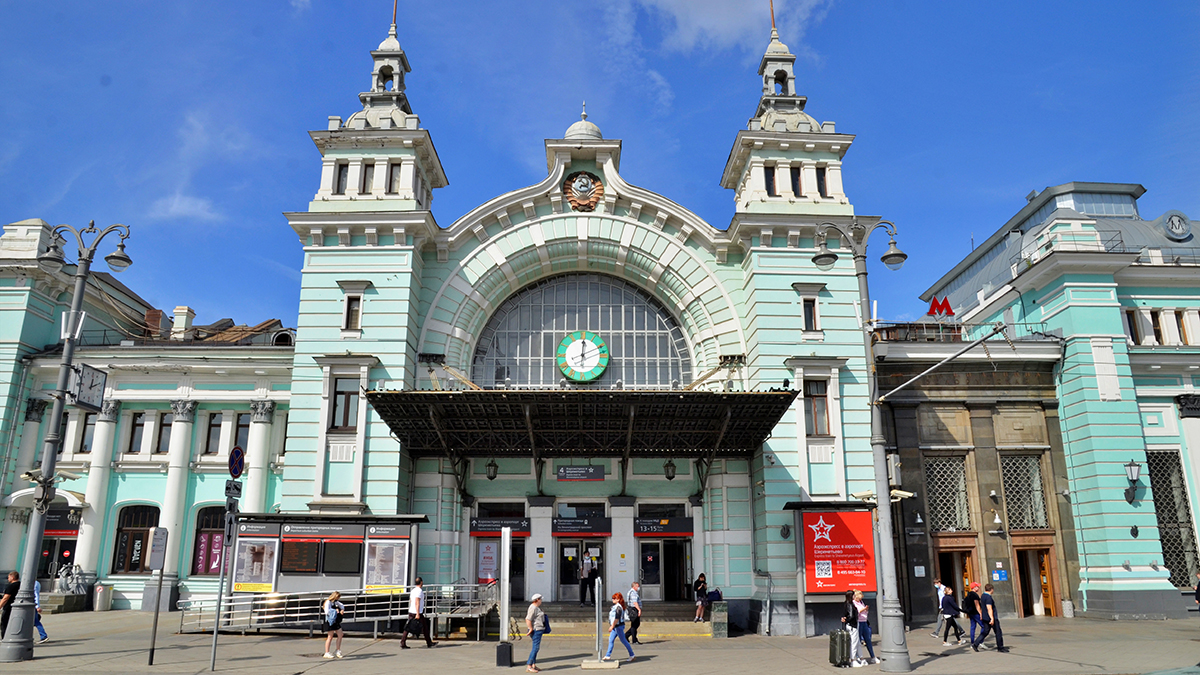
[[583, 190]]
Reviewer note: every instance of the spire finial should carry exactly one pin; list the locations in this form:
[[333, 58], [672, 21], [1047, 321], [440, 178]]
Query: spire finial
[[583, 115], [395, 2], [772, 15]]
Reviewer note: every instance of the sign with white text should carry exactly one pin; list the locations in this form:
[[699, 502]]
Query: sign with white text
[[839, 551]]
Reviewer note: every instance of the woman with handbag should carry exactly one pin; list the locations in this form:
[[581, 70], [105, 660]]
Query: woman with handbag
[[535, 622], [332, 612], [700, 587], [616, 627]]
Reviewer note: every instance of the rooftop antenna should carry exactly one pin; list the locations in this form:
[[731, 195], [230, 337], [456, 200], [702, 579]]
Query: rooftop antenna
[[772, 15]]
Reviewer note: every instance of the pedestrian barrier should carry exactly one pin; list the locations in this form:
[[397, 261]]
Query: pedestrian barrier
[[244, 612]]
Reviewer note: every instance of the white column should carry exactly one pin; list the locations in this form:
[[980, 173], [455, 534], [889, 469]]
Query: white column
[[175, 502], [1170, 329], [1191, 325], [405, 189], [783, 179], [379, 186], [14, 532], [540, 571], [328, 175], [757, 187], [1146, 326], [621, 543], [833, 179], [91, 529], [354, 180], [809, 178], [258, 455]]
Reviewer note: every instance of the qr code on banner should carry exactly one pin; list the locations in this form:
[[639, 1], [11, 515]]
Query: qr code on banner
[[823, 569]]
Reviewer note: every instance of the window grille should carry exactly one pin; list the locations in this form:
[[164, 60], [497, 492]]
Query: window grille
[[946, 490], [1024, 492], [1175, 528]]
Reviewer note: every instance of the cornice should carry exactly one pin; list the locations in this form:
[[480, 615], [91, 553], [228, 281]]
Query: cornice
[[1058, 263], [750, 141]]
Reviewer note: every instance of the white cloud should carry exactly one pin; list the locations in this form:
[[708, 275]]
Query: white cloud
[[300, 5], [184, 207], [722, 24]]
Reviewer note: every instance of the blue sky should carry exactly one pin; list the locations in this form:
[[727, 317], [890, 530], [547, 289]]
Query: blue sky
[[188, 120]]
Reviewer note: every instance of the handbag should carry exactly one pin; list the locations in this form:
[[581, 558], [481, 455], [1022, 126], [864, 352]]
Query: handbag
[[546, 623], [714, 595]]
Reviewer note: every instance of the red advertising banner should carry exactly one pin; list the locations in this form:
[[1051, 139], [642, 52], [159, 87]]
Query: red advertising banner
[[839, 551]]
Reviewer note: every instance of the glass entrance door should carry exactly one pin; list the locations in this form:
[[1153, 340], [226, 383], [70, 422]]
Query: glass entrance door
[[56, 552], [580, 563], [650, 570]]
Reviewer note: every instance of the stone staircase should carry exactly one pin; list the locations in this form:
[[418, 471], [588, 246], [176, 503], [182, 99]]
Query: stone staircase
[[661, 620]]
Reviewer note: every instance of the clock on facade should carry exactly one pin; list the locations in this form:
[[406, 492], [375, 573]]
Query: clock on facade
[[582, 356], [88, 387]]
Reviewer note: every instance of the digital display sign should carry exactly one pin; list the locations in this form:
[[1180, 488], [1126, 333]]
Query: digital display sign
[[299, 556]]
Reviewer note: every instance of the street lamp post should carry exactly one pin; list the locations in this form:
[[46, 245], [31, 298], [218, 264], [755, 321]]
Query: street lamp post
[[18, 640], [893, 647]]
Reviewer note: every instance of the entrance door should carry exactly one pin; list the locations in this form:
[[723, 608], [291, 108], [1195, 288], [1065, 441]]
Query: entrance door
[[56, 552], [650, 570], [1037, 587], [677, 559], [957, 570], [578, 560]]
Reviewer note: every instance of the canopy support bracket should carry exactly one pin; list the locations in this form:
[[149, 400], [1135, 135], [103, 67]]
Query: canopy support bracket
[[704, 464]]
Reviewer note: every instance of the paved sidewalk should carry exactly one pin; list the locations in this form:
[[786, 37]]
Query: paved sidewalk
[[117, 642]]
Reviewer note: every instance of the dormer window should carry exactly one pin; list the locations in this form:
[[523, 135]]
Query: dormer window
[[341, 176], [769, 177]]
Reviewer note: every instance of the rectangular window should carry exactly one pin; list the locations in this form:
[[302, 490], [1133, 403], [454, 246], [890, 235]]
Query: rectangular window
[[821, 182], [163, 446], [797, 184], [342, 557], [1024, 494], [1173, 511], [340, 178], [393, 179], [368, 179], [345, 404], [946, 494], [816, 408], [213, 444], [1105, 364], [1156, 323], [243, 431], [89, 432], [1131, 326], [769, 177], [135, 438], [1182, 326], [352, 320], [810, 314]]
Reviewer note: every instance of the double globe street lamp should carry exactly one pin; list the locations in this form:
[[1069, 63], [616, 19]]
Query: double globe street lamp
[[893, 647], [18, 640]]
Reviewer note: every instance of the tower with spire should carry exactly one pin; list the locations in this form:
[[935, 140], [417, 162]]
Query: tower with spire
[[379, 159], [785, 161]]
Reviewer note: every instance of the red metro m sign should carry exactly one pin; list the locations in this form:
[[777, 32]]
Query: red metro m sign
[[940, 308]]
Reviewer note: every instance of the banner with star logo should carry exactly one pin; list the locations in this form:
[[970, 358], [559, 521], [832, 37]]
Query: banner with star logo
[[839, 551]]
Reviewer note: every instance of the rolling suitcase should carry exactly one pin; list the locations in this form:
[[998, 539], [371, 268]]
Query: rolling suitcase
[[839, 647]]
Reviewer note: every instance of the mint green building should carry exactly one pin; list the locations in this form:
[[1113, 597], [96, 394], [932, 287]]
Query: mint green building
[[1123, 293]]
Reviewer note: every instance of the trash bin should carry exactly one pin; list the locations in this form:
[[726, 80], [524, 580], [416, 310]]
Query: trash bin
[[1068, 609], [103, 598]]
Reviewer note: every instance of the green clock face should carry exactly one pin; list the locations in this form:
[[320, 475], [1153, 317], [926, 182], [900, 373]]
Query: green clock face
[[582, 356]]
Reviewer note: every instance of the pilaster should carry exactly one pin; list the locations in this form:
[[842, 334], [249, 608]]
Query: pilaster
[[91, 528], [262, 415]]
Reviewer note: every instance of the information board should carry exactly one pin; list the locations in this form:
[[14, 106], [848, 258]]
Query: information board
[[663, 527], [580, 473], [490, 527], [299, 556], [254, 571], [387, 566], [596, 527], [839, 551], [489, 561]]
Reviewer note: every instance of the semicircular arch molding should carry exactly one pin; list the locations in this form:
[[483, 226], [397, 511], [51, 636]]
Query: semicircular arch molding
[[682, 277]]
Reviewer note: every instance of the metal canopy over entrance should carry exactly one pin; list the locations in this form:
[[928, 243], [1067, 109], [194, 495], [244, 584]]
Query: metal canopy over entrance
[[564, 423]]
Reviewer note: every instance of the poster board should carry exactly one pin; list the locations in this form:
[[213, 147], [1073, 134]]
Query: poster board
[[839, 551], [489, 561], [387, 566], [254, 569]]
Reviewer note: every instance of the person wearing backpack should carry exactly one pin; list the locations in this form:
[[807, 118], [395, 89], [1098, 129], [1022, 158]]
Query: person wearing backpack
[[972, 607], [332, 611]]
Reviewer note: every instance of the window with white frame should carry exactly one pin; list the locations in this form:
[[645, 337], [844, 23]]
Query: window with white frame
[[816, 407], [341, 176], [393, 185], [769, 179], [810, 314], [89, 432], [162, 443], [352, 317], [137, 433], [212, 443], [368, 178], [344, 405]]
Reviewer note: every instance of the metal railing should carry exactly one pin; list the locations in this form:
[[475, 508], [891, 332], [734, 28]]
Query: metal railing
[[303, 610], [1074, 242], [1169, 255], [932, 331]]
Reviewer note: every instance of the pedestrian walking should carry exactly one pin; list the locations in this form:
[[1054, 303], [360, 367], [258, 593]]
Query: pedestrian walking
[[37, 616], [939, 591], [634, 605], [418, 623], [616, 627], [971, 606], [949, 612], [990, 619], [700, 587], [535, 625], [850, 623], [332, 611], [586, 582], [862, 614], [6, 600]]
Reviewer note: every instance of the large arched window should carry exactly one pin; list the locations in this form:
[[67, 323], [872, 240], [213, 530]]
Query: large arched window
[[132, 553], [520, 341], [210, 540]]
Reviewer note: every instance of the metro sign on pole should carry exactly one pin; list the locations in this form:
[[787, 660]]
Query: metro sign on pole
[[940, 308]]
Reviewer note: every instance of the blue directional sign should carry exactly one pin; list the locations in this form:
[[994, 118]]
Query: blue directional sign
[[237, 461]]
